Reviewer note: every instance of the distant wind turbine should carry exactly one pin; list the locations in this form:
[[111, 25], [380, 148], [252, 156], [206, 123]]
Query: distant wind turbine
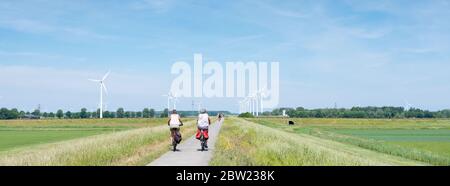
[[407, 105], [261, 94], [102, 87], [173, 98]]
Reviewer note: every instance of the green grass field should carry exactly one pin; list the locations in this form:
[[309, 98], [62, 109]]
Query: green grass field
[[259, 141], [22, 138], [422, 140], [23, 133], [85, 142], [431, 140]]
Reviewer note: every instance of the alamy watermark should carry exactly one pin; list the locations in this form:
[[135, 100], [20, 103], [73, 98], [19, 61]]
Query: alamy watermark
[[237, 80]]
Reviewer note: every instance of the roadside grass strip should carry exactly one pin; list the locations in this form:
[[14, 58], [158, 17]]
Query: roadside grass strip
[[244, 143]]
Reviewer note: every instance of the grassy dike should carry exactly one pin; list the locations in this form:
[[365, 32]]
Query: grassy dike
[[244, 143], [131, 147]]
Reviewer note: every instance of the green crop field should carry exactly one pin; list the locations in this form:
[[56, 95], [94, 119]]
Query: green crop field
[[23, 133], [431, 140], [84, 141], [11, 139], [421, 140]]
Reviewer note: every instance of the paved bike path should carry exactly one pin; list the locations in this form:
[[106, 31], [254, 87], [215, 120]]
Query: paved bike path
[[189, 153]]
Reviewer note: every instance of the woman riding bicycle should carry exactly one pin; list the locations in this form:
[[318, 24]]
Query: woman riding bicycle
[[219, 117], [175, 123], [203, 123]]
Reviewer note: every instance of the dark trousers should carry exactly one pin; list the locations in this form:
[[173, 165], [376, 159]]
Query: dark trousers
[[176, 135]]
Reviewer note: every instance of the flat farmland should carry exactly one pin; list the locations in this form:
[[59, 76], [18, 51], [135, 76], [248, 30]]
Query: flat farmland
[[85, 141], [421, 140], [23, 133]]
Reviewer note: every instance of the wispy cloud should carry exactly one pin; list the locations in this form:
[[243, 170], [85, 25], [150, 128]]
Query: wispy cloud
[[158, 6], [241, 39], [38, 56], [283, 12], [39, 27]]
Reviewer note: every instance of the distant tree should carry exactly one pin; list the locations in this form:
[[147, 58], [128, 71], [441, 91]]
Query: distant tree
[[9, 114], [13, 114], [36, 112], [152, 113], [165, 113], [4, 113], [138, 114], [76, 115], [146, 113], [127, 114], [267, 113], [59, 114], [68, 114], [120, 113], [246, 115], [51, 115], [83, 113], [21, 114], [96, 114], [106, 114]]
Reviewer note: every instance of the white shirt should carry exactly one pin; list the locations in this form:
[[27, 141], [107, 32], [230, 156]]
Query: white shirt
[[174, 121], [203, 121]]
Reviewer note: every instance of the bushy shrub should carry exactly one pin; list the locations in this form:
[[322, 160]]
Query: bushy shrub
[[246, 115]]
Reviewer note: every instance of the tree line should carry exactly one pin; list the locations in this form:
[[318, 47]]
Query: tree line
[[83, 113], [360, 112]]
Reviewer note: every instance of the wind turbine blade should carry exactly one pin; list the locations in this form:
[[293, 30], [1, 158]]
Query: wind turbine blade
[[104, 88], [94, 80], [106, 76]]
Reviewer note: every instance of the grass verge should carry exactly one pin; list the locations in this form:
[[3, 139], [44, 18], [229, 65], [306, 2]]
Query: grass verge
[[243, 143]]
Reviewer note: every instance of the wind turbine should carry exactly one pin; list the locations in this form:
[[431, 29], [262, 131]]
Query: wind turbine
[[407, 105], [262, 93], [254, 99], [175, 100], [102, 87], [241, 107], [244, 105], [199, 106], [169, 97], [250, 99]]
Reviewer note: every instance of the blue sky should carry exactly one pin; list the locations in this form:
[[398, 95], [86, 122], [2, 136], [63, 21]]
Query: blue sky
[[349, 52]]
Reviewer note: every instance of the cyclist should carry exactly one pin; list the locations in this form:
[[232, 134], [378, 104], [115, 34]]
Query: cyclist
[[203, 123], [175, 123], [219, 117]]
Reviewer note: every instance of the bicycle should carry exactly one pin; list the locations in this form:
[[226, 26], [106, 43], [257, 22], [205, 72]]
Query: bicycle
[[203, 140], [176, 138]]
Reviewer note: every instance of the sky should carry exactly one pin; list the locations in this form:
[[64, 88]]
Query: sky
[[345, 52]]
